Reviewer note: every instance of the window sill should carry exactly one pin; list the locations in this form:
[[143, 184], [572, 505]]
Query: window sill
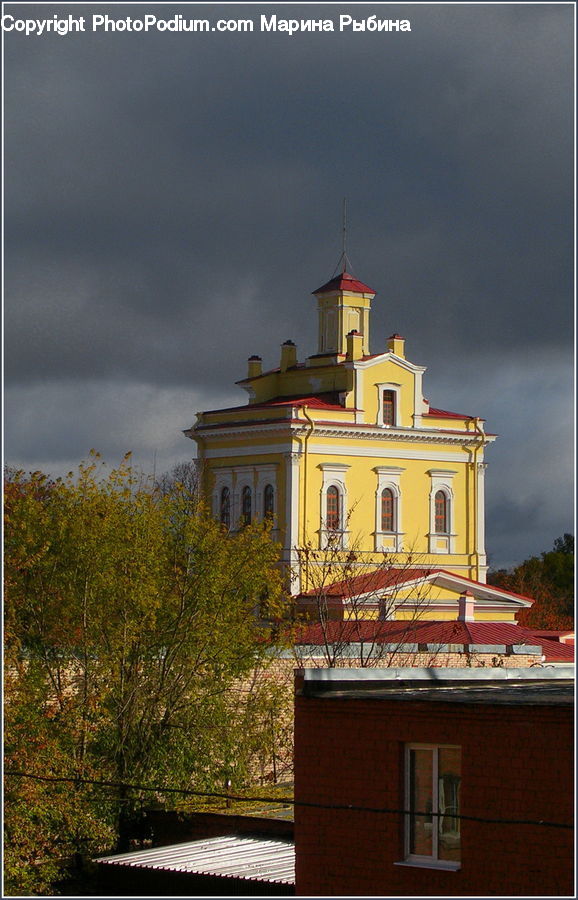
[[445, 866]]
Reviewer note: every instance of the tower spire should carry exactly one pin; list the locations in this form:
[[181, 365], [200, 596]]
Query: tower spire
[[344, 248], [344, 262]]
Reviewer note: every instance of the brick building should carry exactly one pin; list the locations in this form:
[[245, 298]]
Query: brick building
[[432, 782]]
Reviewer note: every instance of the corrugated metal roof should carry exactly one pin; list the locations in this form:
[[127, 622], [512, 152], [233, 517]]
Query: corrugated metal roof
[[249, 858], [433, 632]]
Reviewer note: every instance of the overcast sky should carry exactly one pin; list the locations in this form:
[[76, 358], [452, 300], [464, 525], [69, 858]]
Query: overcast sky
[[173, 199]]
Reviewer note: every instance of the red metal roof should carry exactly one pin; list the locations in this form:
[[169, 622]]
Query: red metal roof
[[345, 282], [446, 414], [327, 400], [376, 580], [323, 400], [388, 577], [404, 632]]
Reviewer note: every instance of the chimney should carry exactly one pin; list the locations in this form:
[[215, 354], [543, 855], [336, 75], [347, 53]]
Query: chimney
[[466, 607], [255, 366], [354, 345], [288, 355], [396, 344]]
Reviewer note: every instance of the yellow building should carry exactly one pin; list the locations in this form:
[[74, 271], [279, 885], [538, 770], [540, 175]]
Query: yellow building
[[343, 450]]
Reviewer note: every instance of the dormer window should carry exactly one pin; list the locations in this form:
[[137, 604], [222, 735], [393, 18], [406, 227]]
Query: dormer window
[[388, 405], [388, 408]]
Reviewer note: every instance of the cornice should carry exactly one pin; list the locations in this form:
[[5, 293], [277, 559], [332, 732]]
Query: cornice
[[298, 428]]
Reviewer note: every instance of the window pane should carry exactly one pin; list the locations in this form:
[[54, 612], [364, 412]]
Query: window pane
[[268, 500], [441, 519], [388, 408], [421, 798], [449, 781], [246, 505], [332, 509], [226, 507], [387, 510]]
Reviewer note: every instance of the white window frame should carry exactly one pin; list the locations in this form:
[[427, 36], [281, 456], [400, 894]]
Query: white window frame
[[415, 859], [388, 477], [223, 479], [396, 388], [333, 476], [266, 474], [441, 480]]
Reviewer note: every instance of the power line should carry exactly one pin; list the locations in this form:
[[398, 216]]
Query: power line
[[348, 807]]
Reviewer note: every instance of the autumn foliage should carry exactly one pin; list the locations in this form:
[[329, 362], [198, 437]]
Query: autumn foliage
[[549, 580], [130, 622]]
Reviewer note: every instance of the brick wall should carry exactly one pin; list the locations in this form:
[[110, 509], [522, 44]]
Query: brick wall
[[266, 769], [516, 764]]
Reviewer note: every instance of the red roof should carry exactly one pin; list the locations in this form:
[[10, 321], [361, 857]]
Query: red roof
[[376, 580], [445, 414], [380, 579], [404, 632], [345, 282], [327, 400]]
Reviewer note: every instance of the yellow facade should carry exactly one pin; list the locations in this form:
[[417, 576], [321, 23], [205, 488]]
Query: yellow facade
[[342, 449]]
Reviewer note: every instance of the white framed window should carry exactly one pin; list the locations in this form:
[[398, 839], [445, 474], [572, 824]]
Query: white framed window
[[223, 496], [388, 533], [441, 511], [388, 405], [333, 530], [433, 774], [268, 502], [246, 506], [239, 494], [265, 506], [225, 507]]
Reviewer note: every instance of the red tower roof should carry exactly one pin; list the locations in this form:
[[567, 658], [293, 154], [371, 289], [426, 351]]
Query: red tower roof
[[345, 282]]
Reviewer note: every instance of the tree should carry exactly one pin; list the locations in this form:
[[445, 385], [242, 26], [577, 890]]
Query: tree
[[350, 600], [549, 580], [130, 620], [184, 478]]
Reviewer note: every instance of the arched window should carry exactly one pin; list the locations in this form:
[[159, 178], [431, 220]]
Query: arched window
[[225, 513], [246, 503], [268, 501], [387, 510], [441, 513], [333, 517], [388, 416]]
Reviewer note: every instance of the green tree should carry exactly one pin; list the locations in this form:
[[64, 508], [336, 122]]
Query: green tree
[[130, 622], [549, 580]]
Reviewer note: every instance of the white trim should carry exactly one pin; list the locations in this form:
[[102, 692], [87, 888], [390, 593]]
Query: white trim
[[425, 860], [481, 517], [358, 397], [292, 519], [396, 390], [388, 356], [441, 480], [345, 429], [486, 596], [333, 476], [243, 479], [376, 452], [266, 474], [388, 477]]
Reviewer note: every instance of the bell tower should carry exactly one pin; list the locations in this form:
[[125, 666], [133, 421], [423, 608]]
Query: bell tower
[[344, 304]]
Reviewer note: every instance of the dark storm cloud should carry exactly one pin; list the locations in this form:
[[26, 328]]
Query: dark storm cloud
[[172, 200]]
